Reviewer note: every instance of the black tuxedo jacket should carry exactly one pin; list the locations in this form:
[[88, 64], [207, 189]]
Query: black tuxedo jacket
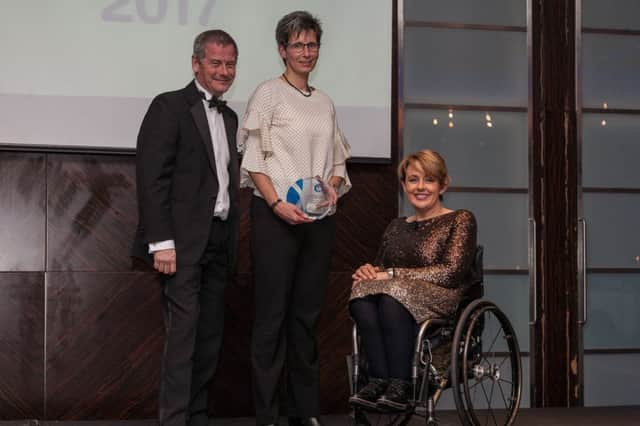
[[176, 176]]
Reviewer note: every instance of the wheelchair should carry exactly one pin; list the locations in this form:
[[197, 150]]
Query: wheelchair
[[475, 353]]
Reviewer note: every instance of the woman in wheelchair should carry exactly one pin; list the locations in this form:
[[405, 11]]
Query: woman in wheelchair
[[421, 271]]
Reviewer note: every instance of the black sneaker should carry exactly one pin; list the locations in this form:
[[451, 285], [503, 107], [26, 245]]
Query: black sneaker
[[368, 395], [396, 396]]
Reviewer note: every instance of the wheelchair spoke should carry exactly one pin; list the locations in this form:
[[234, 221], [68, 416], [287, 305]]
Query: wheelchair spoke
[[506, 404], [506, 358], [493, 342], [475, 389], [493, 386], [475, 384], [486, 397]]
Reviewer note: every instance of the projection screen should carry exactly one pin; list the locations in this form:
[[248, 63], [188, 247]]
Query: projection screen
[[79, 73]]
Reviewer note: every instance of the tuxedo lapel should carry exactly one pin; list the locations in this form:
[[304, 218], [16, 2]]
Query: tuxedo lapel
[[200, 119]]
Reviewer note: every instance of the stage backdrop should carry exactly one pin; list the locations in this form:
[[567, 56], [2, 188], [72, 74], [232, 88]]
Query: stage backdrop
[[81, 73]]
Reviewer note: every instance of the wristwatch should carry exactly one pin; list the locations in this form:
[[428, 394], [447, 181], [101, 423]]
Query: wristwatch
[[390, 272]]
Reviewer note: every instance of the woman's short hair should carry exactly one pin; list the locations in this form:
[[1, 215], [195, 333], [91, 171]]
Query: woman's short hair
[[212, 36], [430, 162], [294, 23]]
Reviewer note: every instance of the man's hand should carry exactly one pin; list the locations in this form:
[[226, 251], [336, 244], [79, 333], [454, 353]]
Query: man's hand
[[164, 261]]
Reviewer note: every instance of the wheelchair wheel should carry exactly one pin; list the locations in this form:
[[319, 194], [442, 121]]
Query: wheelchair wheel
[[486, 371]]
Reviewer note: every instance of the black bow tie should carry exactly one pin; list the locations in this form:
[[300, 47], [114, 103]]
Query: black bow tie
[[214, 102]]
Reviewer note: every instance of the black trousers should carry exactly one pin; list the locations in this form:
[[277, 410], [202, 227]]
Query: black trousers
[[388, 333], [291, 269], [193, 307]]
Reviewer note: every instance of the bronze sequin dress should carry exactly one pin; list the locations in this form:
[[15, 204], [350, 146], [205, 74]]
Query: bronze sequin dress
[[431, 262]]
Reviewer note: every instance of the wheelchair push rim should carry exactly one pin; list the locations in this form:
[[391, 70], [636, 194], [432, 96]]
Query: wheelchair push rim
[[486, 369]]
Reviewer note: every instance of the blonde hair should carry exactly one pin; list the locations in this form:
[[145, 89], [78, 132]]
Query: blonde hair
[[430, 162]]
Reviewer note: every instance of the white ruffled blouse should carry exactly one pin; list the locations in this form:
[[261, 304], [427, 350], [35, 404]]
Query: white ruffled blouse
[[288, 136]]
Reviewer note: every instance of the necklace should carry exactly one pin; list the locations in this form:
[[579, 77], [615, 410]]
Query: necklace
[[309, 88]]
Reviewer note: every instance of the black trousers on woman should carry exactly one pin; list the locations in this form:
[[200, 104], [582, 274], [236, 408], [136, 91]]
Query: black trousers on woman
[[291, 269], [388, 333]]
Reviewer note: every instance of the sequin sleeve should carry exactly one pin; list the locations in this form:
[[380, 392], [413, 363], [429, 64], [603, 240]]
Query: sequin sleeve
[[456, 259]]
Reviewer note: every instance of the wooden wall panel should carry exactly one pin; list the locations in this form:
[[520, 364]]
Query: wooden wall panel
[[553, 133], [363, 215], [22, 343], [230, 391], [22, 211], [334, 344], [104, 339], [91, 213]]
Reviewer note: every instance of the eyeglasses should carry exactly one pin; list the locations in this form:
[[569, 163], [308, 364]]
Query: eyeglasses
[[298, 47]]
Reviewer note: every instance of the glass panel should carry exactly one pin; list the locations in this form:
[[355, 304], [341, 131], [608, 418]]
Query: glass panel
[[610, 150], [465, 67], [611, 65], [612, 231], [502, 225], [472, 148], [495, 12], [618, 14], [511, 294], [611, 379], [608, 327]]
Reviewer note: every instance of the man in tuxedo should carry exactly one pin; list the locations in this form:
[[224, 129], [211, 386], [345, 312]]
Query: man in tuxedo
[[187, 174]]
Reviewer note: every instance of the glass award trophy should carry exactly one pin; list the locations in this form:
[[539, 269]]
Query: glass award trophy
[[311, 196]]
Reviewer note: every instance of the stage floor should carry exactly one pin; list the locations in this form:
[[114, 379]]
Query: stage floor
[[613, 416]]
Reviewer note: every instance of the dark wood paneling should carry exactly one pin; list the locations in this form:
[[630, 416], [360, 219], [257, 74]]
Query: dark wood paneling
[[92, 212], [22, 211], [22, 343], [230, 391], [554, 200], [244, 258], [334, 344], [363, 215], [103, 345]]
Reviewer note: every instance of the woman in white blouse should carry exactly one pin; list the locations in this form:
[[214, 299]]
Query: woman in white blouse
[[290, 132]]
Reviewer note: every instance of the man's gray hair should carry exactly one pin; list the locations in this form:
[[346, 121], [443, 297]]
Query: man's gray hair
[[212, 36]]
